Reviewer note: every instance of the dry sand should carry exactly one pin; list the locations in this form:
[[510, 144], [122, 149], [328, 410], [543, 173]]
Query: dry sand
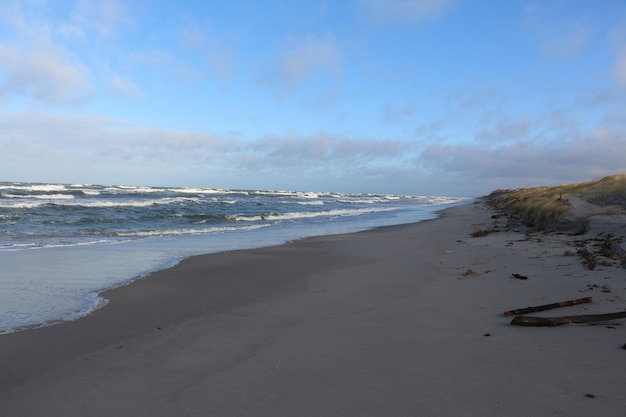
[[398, 321]]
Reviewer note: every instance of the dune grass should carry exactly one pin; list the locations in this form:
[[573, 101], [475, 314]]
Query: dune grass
[[608, 191], [541, 207]]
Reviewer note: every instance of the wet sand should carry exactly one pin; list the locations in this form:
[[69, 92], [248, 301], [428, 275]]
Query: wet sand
[[398, 321]]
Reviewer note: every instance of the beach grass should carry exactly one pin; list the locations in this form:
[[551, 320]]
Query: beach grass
[[542, 207]]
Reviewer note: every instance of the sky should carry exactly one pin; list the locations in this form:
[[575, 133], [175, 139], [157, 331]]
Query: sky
[[423, 97]]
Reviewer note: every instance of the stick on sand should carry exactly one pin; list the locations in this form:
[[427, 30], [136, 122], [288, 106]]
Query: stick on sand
[[558, 321], [547, 306]]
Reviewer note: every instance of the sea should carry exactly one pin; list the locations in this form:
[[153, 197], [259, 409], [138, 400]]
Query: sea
[[62, 245]]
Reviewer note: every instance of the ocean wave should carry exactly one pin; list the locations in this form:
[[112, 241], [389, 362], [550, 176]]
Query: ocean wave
[[72, 202], [307, 195], [137, 189], [40, 196], [309, 214], [65, 214], [92, 193], [204, 191], [21, 204], [310, 203], [12, 247], [297, 194], [361, 201], [436, 199], [177, 232], [93, 302], [130, 189], [33, 187]]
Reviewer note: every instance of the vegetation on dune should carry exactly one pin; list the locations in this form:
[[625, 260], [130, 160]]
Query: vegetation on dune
[[543, 207], [608, 191]]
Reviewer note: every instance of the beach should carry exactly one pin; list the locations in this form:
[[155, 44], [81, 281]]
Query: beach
[[396, 321]]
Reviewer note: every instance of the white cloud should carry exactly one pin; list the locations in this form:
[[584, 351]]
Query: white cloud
[[398, 114], [199, 54], [45, 73], [617, 39], [216, 51], [53, 143], [221, 62], [560, 37], [525, 163], [619, 68], [152, 57], [505, 130], [569, 43], [405, 10], [308, 55], [124, 87], [301, 59], [325, 150], [103, 17], [193, 34], [33, 63], [36, 146]]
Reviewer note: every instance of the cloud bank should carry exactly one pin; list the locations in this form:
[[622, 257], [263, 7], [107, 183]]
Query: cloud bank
[[96, 149]]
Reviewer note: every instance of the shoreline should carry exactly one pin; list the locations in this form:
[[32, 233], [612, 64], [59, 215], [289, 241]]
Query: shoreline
[[60, 288], [380, 322]]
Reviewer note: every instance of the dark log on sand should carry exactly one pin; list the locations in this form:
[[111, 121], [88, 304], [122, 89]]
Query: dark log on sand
[[559, 321], [547, 306]]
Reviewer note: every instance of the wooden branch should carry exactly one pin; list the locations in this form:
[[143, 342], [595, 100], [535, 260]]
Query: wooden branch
[[558, 321], [547, 306]]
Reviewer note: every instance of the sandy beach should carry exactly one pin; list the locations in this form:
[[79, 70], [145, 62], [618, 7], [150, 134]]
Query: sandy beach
[[397, 321]]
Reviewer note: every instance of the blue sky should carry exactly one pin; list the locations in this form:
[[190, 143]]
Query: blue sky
[[447, 97]]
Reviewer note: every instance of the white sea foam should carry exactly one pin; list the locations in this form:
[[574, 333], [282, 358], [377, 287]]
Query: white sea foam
[[40, 196], [90, 192], [92, 302], [178, 232], [35, 187], [275, 193], [66, 244], [18, 204], [203, 191], [309, 214], [125, 203], [138, 189], [311, 203], [308, 195], [130, 189], [17, 246]]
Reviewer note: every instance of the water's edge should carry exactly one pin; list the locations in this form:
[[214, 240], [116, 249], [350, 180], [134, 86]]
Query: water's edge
[[87, 272]]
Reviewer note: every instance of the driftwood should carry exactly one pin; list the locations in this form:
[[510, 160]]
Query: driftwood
[[547, 306], [558, 321]]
